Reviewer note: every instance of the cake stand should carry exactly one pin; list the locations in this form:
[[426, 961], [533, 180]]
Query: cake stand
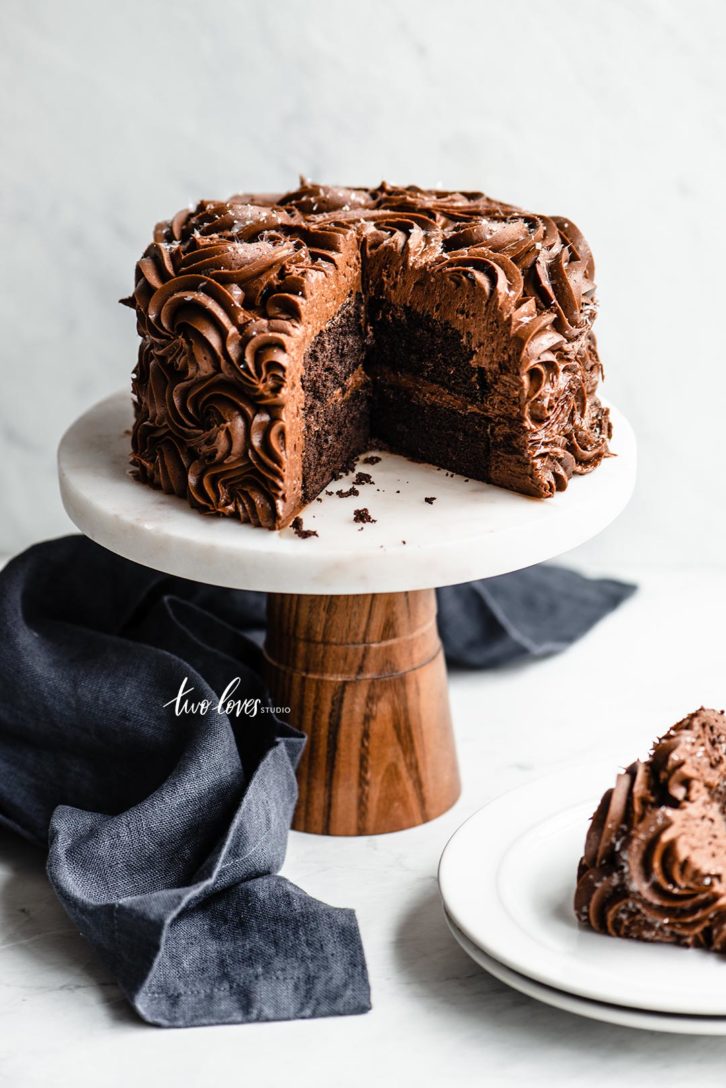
[[352, 647]]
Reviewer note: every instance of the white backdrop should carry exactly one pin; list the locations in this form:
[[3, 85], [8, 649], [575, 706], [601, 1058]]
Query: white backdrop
[[114, 115]]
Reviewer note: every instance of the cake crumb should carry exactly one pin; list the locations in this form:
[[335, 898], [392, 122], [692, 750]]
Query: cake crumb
[[363, 516], [363, 478], [347, 494], [430, 499], [346, 468], [372, 460], [329, 492], [299, 530]]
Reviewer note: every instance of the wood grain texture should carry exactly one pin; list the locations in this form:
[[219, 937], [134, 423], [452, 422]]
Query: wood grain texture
[[365, 679]]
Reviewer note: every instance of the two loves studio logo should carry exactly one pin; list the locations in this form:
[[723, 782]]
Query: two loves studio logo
[[229, 702]]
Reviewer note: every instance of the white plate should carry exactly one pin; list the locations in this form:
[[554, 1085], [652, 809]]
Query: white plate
[[507, 878], [593, 1010]]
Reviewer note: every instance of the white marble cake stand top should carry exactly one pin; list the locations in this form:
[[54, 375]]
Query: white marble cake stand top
[[471, 530]]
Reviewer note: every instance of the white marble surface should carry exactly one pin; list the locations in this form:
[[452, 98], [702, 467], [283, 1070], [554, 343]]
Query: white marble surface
[[115, 115], [469, 529], [437, 1019]]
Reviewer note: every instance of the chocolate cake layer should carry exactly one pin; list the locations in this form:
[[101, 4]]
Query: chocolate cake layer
[[440, 430], [336, 432], [256, 314], [654, 866], [416, 343]]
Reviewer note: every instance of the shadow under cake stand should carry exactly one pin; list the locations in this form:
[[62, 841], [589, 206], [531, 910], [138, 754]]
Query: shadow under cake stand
[[352, 646]]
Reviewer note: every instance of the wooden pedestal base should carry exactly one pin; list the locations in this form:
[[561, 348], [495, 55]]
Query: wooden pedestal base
[[365, 679]]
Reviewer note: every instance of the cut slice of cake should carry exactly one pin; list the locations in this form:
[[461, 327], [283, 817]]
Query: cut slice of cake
[[654, 865], [283, 336]]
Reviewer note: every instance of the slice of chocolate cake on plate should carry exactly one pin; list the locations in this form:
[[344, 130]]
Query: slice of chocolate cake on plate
[[654, 865]]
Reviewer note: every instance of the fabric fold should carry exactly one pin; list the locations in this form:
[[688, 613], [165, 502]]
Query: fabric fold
[[166, 827]]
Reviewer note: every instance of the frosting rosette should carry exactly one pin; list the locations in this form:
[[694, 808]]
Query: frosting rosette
[[654, 865]]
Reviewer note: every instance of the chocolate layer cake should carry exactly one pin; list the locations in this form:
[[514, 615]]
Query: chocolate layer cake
[[281, 336], [655, 856]]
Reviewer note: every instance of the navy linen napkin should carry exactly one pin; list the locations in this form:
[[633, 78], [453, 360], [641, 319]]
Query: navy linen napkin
[[166, 824]]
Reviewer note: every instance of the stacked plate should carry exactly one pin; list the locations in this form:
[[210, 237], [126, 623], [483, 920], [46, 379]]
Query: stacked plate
[[507, 878]]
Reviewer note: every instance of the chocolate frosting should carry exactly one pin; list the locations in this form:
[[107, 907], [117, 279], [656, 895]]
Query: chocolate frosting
[[654, 866], [230, 294]]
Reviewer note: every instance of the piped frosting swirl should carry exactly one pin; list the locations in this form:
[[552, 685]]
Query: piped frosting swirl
[[654, 865]]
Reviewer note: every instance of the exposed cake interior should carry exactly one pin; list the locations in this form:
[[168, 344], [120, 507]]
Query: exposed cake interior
[[337, 397], [387, 375], [654, 866], [429, 400]]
